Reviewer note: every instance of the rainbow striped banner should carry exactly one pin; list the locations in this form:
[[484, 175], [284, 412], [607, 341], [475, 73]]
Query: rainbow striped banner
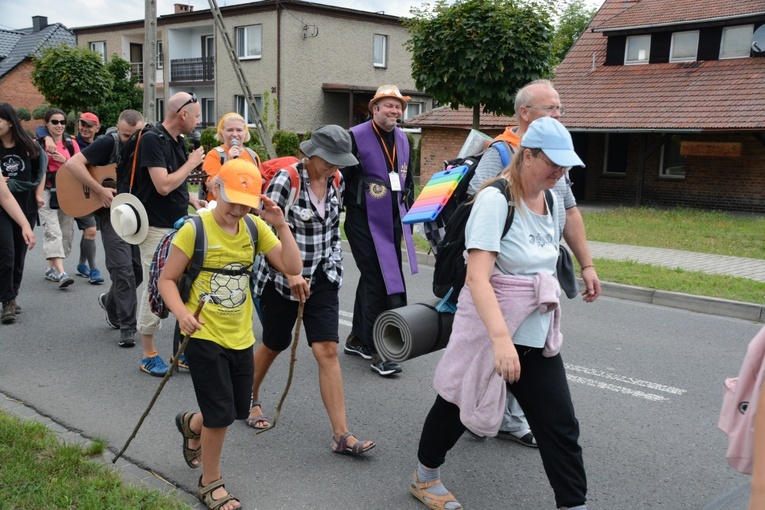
[[435, 195]]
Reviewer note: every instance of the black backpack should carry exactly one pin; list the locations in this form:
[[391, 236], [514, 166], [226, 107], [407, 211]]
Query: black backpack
[[451, 268], [435, 230], [127, 157]]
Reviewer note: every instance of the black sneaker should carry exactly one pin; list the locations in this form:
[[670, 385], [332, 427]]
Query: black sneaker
[[111, 320], [527, 439], [127, 338], [385, 368], [354, 347]]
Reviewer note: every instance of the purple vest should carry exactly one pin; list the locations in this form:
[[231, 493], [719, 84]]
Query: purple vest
[[379, 204]]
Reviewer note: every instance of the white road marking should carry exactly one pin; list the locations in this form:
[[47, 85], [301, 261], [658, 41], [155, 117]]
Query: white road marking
[[624, 379], [618, 389]]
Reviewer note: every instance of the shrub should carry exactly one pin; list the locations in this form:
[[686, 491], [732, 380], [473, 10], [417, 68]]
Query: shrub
[[23, 113], [39, 112], [286, 143], [207, 139]]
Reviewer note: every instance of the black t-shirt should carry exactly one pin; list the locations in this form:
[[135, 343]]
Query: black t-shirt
[[19, 167], [99, 153], [163, 211]]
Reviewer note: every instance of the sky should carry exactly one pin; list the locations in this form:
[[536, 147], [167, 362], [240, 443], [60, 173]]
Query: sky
[[18, 14]]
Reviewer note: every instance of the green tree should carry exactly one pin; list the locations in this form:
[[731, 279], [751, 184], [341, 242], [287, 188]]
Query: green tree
[[70, 77], [23, 113], [286, 143], [124, 93], [573, 20], [477, 53]]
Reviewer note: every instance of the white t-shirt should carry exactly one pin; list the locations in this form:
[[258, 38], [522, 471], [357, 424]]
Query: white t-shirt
[[530, 247]]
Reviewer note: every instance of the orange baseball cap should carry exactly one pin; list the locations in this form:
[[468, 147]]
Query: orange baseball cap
[[240, 182]]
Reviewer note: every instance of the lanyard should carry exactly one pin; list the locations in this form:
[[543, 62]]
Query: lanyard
[[391, 159]]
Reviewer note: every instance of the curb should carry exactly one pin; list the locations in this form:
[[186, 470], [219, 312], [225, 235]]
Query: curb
[[701, 304], [130, 473]]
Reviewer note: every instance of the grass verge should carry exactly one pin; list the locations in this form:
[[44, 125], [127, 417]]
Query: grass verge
[[39, 472]]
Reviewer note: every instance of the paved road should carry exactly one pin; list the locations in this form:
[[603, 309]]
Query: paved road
[[646, 381]]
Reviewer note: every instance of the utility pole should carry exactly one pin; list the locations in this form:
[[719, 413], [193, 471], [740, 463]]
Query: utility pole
[[149, 70], [231, 51]]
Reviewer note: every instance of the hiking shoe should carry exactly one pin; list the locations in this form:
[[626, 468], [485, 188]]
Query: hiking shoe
[[51, 275], [64, 281], [154, 365], [127, 338], [95, 277], [82, 270], [9, 313], [16, 306], [354, 347], [527, 439], [182, 363], [385, 368], [111, 320]]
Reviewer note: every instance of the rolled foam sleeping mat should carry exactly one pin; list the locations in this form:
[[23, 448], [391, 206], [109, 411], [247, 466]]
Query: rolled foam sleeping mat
[[411, 331]]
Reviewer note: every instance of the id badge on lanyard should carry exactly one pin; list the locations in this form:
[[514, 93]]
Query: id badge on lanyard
[[395, 182]]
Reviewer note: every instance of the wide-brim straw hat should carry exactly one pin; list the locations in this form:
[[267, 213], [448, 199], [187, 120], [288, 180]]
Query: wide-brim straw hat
[[389, 91], [129, 218]]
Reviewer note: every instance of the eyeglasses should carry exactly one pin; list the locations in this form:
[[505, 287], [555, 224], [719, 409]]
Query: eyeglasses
[[550, 109], [57, 122], [191, 100], [553, 166], [329, 166]]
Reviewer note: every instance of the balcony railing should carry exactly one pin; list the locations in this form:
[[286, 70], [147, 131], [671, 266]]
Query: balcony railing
[[136, 69], [192, 69]]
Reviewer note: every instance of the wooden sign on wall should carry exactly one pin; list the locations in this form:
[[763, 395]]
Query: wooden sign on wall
[[711, 149]]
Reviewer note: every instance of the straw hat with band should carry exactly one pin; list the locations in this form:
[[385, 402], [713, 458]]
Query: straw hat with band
[[129, 219], [389, 91]]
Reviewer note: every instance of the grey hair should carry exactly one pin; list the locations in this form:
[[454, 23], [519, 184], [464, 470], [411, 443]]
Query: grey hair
[[523, 96]]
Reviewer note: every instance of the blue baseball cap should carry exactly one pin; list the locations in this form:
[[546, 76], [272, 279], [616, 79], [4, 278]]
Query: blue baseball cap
[[555, 141]]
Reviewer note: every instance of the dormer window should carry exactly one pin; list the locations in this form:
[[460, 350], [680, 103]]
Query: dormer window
[[736, 41], [638, 49], [684, 46]]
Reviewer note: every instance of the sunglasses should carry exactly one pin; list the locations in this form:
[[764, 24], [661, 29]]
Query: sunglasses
[[57, 122], [192, 99]]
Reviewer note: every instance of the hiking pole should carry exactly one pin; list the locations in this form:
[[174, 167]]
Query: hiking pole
[[293, 358], [205, 298]]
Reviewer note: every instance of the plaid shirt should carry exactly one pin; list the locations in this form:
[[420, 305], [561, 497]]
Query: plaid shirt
[[318, 239]]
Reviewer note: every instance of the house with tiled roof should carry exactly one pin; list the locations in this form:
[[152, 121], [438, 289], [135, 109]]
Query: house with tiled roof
[[17, 47], [666, 102]]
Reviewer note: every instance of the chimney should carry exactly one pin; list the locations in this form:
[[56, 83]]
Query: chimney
[[39, 22], [179, 8]]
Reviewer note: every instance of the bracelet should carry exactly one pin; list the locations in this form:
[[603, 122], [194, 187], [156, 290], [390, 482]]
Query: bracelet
[[585, 267]]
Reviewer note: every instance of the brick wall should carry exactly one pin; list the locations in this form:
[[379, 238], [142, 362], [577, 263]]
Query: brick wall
[[723, 183], [439, 145], [17, 89]]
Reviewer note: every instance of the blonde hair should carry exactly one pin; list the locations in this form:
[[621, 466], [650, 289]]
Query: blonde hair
[[226, 118], [512, 172]]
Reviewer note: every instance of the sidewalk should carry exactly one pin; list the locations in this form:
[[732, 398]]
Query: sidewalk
[[741, 267]]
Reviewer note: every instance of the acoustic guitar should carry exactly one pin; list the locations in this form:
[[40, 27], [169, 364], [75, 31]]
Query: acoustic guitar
[[77, 199]]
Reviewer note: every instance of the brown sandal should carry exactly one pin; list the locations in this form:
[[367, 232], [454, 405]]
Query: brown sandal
[[340, 446], [206, 497], [183, 422], [420, 491]]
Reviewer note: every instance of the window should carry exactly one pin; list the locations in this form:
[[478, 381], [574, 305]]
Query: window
[[638, 49], [672, 163], [684, 46], [243, 109], [736, 41], [412, 110], [249, 41], [208, 112], [100, 48], [160, 61], [617, 150], [160, 113], [380, 50]]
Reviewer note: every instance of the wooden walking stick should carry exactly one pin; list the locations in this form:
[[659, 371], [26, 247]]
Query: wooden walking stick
[[203, 299], [298, 325]]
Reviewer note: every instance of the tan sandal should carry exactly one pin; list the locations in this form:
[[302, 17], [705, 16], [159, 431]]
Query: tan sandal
[[420, 491], [206, 497], [183, 422]]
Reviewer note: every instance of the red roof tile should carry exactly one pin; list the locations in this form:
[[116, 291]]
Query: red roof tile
[[445, 117], [640, 13], [704, 95]]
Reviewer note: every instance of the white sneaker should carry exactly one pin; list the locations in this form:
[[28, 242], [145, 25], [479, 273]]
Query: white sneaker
[[51, 275]]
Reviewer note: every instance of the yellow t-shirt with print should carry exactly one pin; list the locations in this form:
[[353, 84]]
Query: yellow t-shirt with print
[[229, 323]]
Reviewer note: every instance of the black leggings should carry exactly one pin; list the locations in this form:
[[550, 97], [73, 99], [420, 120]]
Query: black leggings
[[543, 393]]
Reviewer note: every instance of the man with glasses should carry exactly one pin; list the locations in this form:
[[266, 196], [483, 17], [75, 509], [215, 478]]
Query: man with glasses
[[535, 100], [160, 184]]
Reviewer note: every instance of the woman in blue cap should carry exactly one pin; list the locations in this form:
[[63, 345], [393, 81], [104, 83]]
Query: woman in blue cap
[[506, 330]]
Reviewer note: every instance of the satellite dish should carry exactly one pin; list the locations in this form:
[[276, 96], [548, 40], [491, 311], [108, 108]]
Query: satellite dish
[[758, 40]]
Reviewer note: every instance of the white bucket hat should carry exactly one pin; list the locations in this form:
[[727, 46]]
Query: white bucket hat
[[129, 219]]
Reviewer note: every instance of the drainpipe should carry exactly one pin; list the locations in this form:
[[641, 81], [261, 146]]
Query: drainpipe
[[278, 63]]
